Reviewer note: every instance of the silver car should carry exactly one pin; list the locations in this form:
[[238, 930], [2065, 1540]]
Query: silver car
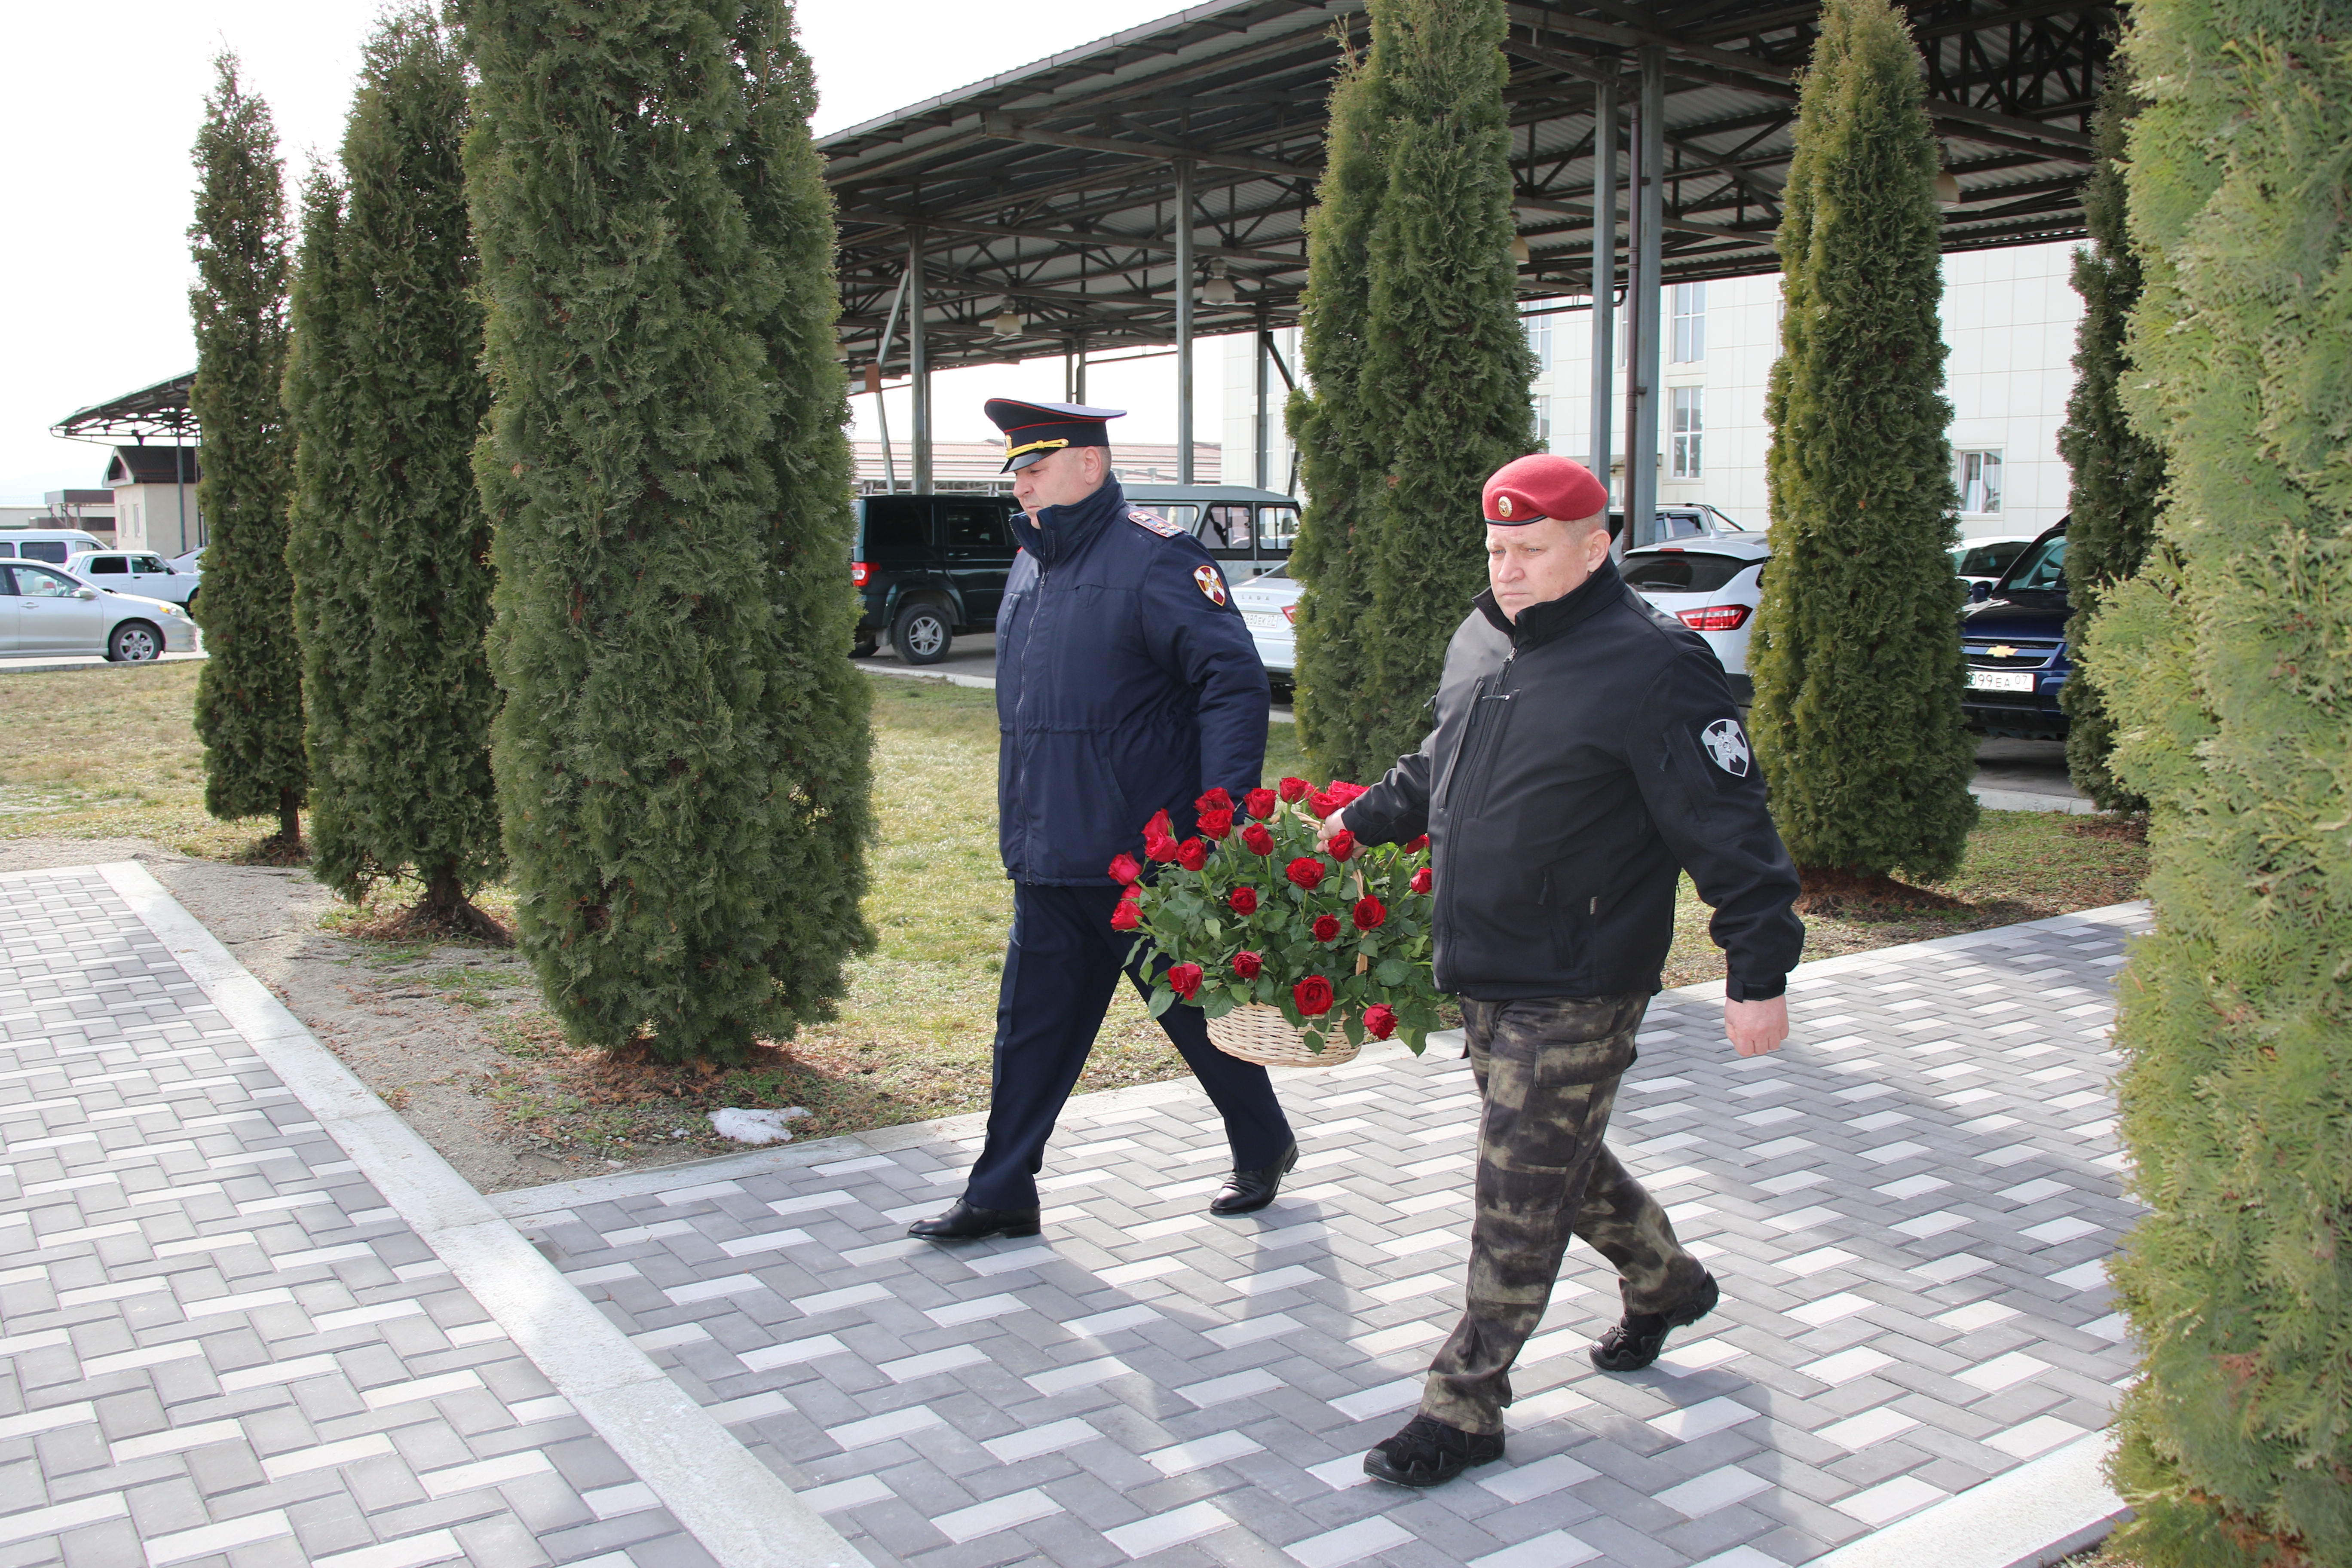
[[139, 572], [1270, 605], [1712, 586], [48, 610]]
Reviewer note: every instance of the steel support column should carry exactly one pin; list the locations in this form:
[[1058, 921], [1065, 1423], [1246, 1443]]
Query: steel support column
[[919, 365], [1262, 457], [1604, 270], [1183, 321], [1645, 190]]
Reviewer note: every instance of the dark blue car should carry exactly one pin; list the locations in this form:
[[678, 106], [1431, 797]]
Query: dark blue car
[[2014, 641]]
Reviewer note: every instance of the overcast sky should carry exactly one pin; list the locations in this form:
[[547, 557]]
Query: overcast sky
[[95, 176]]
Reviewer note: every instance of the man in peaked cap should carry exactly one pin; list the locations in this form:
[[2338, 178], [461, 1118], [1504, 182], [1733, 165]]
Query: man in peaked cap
[[1607, 754], [1127, 684]]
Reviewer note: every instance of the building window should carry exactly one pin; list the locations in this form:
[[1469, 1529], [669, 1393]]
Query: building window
[[1690, 425], [1543, 423], [1690, 323], [1980, 476], [1540, 341]]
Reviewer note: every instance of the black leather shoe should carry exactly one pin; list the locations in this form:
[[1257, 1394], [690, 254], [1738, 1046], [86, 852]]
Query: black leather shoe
[[965, 1223], [1634, 1344], [1429, 1453], [1247, 1192]]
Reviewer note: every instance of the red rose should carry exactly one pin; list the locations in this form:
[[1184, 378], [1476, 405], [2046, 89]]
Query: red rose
[[1216, 824], [1192, 854], [1160, 827], [1320, 803], [1294, 790], [1371, 914], [1127, 916], [1342, 845], [1247, 964], [1379, 1020], [1344, 793], [1418, 844], [1326, 927], [1160, 847], [1421, 881], [1215, 800], [1313, 996], [1259, 840], [1184, 979], [1305, 872], [1243, 900], [1123, 868], [1259, 803]]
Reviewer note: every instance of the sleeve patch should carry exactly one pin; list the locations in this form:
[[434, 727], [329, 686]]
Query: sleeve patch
[[1159, 525], [1210, 583], [1726, 745]]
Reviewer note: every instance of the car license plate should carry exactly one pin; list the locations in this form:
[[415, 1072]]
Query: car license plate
[[2002, 680], [1266, 621]]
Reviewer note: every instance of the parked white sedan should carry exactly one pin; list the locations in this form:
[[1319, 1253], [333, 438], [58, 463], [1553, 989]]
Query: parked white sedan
[[1270, 605], [46, 609], [139, 572], [1712, 586]]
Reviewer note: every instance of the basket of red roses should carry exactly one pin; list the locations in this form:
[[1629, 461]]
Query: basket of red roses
[[1297, 953]]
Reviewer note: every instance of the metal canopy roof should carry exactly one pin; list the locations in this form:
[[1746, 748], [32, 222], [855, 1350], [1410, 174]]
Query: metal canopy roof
[[158, 410], [1051, 187]]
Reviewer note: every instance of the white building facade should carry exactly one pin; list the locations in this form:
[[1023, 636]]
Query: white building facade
[[2009, 318]]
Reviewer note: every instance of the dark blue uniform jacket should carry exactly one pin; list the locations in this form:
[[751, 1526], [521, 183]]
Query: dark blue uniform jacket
[[1126, 684]]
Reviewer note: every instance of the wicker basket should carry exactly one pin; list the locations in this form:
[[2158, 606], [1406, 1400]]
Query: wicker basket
[[1257, 1033]]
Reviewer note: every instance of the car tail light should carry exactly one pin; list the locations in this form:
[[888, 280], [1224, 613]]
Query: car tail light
[[860, 574], [1291, 614], [1715, 619]]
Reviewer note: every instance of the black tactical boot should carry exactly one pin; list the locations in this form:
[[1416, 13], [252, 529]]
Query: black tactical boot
[[1429, 1453], [1634, 1344]]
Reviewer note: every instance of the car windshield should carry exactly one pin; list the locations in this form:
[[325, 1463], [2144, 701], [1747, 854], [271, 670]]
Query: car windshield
[[1684, 571], [2043, 568]]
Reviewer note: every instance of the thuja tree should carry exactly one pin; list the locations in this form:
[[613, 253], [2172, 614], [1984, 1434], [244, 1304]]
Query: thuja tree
[[682, 756], [2226, 663], [1447, 373], [390, 543], [1341, 464], [1856, 651], [2118, 473], [248, 709]]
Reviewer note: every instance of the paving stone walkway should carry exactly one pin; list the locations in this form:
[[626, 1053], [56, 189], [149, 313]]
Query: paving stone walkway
[[1909, 1209], [221, 1345]]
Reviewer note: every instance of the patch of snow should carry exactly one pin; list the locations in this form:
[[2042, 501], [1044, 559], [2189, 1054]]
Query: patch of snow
[[755, 1126]]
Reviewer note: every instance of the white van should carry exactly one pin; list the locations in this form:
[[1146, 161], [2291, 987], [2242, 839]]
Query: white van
[[1248, 529], [54, 545]]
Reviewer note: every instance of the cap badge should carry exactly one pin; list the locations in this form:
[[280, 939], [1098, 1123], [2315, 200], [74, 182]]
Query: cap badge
[[1502, 506], [1210, 584]]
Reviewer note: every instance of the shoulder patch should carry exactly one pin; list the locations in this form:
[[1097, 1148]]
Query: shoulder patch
[[1210, 583], [1159, 525], [1727, 746]]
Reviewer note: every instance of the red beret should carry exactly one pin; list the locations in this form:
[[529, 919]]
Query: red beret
[[1530, 489]]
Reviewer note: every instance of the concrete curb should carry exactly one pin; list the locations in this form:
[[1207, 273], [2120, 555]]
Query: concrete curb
[[2039, 1514], [9, 666], [2032, 800], [741, 1512]]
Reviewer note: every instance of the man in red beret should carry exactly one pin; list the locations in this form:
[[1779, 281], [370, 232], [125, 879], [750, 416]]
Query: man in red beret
[[1587, 749]]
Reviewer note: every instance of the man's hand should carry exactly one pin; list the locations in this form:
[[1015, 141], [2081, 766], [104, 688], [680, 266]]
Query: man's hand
[[1756, 1028], [1329, 825]]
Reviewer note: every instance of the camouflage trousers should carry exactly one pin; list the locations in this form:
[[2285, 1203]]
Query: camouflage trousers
[[1547, 1070]]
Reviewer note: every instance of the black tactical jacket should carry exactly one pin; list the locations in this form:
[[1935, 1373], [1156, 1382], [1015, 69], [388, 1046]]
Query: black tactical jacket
[[1582, 755]]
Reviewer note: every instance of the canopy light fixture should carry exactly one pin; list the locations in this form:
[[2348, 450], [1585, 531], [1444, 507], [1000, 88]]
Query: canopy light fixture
[[1008, 322], [1219, 289], [1520, 254]]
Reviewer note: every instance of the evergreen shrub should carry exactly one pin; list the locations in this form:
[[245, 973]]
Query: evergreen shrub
[[389, 540], [248, 706], [1856, 650], [682, 757], [2227, 664]]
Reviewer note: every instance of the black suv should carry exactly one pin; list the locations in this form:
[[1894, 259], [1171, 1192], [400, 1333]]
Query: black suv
[[929, 568]]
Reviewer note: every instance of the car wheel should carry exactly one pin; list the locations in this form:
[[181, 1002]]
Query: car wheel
[[134, 642], [861, 649], [921, 634]]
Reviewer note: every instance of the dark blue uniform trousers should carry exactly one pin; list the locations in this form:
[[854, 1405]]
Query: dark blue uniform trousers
[[1059, 969]]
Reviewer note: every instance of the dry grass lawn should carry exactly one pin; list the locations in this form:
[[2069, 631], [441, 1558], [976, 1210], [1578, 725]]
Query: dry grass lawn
[[110, 753]]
